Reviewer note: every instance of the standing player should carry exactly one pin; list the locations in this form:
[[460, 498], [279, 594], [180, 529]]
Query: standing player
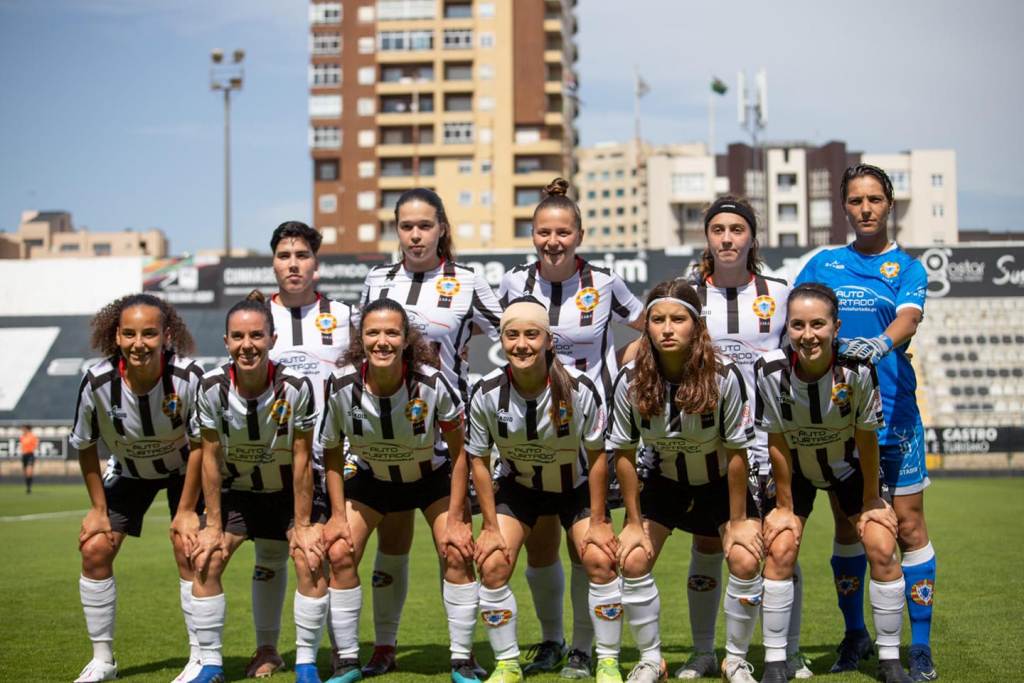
[[393, 405], [256, 419], [881, 291], [821, 414], [690, 408], [138, 401], [312, 332], [582, 301], [28, 443], [444, 301], [547, 423]]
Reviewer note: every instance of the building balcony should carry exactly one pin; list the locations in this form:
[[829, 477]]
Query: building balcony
[[554, 118], [403, 56], [538, 178], [539, 147], [406, 118], [405, 87]]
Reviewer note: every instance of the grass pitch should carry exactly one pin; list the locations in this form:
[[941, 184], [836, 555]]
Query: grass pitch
[[974, 524]]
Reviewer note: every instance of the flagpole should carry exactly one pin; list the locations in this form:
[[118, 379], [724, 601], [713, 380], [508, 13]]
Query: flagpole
[[711, 123]]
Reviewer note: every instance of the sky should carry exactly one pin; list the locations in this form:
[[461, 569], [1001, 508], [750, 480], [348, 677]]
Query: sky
[[106, 110]]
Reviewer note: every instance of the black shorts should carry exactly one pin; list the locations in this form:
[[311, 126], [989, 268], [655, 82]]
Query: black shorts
[[527, 505], [128, 500], [385, 496], [253, 514], [27, 460], [700, 510], [849, 493]]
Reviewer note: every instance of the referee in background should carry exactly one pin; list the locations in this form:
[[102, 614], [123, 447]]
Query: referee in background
[[28, 443]]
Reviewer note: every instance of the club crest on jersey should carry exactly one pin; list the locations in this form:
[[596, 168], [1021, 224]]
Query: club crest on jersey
[[847, 585], [326, 323], [448, 286], [701, 583], [922, 592], [764, 307], [281, 411], [564, 413], [171, 406], [416, 410], [381, 579], [496, 617], [587, 299], [610, 612], [841, 394], [890, 269]]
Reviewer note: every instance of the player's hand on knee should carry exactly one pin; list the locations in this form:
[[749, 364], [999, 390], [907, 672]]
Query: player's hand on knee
[[600, 534], [632, 537], [211, 540], [778, 521], [337, 529], [307, 542], [94, 523], [877, 510], [457, 537], [745, 533], [490, 541], [185, 531]]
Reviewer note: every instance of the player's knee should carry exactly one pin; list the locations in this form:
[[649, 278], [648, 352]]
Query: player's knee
[[912, 530], [341, 557], [879, 546], [783, 551], [742, 563], [636, 563], [456, 569], [598, 565], [495, 571], [97, 554]]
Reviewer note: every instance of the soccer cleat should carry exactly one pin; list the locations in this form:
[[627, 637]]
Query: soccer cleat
[[891, 671], [97, 670], [922, 668], [265, 662], [646, 672], [544, 656], [737, 670], [856, 645], [345, 670], [480, 672], [699, 665], [608, 670], [209, 674], [506, 671], [306, 673], [463, 671], [381, 661], [577, 665], [774, 672], [190, 671], [798, 666]]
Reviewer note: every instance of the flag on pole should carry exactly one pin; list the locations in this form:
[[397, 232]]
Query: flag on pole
[[718, 86], [641, 86]]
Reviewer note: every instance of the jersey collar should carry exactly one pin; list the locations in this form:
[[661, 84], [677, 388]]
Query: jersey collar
[[271, 370]]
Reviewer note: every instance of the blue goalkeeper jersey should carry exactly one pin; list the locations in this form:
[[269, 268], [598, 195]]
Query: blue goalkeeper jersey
[[871, 290]]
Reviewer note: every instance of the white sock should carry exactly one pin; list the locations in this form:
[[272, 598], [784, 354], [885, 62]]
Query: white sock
[[887, 602], [582, 626], [605, 602], [461, 602], [99, 603], [269, 585], [742, 603], [703, 595], [390, 586], [547, 585], [498, 612], [185, 595], [795, 614], [642, 605], [346, 604], [208, 619], [778, 603], [310, 614]]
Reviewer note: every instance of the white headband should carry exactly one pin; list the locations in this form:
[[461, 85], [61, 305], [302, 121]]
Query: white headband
[[671, 299]]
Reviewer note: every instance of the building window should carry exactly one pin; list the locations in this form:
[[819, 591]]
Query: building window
[[620, 192], [325, 13], [486, 39], [330, 234], [325, 74], [389, 198], [458, 10], [326, 44], [485, 166], [466, 230], [900, 180], [409, 73], [591, 194], [395, 167], [619, 174], [938, 210], [524, 227], [936, 180], [427, 166], [684, 183], [458, 71], [820, 182], [366, 169], [458, 39], [691, 215], [458, 133], [620, 211], [458, 102], [485, 9], [525, 136], [465, 198], [366, 75], [788, 239], [605, 212], [325, 137], [367, 232], [821, 213], [486, 135], [326, 169], [324, 106], [365, 106], [396, 10], [366, 14], [486, 103], [528, 196], [328, 203], [395, 41], [787, 213], [606, 230], [591, 213], [591, 176], [366, 201], [367, 45], [366, 138], [101, 249], [754, 183], [605, 194], [486, 198], [485, 72], [67, 248], [785, 181], [465, 166]]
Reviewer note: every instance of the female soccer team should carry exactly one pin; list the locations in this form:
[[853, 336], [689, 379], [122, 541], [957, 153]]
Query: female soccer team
[[710, 427]]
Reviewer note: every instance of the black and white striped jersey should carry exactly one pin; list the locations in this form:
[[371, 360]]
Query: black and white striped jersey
[[540, 454], [256, 434], [442, 304], [745, 323], [147, 435], [689, 449], [818, 418], [580, 313], [392, 436]]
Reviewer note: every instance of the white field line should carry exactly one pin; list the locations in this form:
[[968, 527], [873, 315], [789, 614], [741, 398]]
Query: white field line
[[56, 515]]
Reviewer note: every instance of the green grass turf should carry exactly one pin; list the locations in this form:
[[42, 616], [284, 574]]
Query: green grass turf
[[975, 524]]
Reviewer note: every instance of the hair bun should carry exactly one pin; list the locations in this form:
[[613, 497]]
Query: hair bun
[[559, 187], [256, 295]]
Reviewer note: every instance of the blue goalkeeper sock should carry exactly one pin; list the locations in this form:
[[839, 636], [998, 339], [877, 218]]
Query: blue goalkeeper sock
[[919, 575], [849, 563]]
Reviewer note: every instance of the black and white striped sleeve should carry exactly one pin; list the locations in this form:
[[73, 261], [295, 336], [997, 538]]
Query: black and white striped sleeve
[[86, 430], [305, 407], [869, 399], [449, 405], [485, 307], [594, 415], [332, 430], [735, 423], [480, 441], [625, 307], [766, 409], [622, 430]]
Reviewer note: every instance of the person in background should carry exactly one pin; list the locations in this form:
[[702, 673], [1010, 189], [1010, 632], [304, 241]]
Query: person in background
[[28, 443]]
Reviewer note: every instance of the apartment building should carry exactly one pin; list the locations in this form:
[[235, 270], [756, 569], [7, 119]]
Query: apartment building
[[51, 234]]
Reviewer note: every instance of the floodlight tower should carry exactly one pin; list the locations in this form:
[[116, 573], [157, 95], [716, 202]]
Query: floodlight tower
[[227, 76], [752, 113]]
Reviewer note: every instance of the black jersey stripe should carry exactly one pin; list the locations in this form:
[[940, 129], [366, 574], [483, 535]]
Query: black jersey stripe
[[357, 408], [504, 397], [233, 475], [531, 420], [821, 455], [115, 405], [413, 297], [785, 394], [682, 471], [146, 416], [478, 305], [702, 294], [620, 308], [537, 480], [850, 453], [256, 479], [711, 464], [160, 467], [133, 469], [296, 314], [387, 428], [252, 419], [675, 417], [555, 307], [531, 279], [814, 402], [732, 311], [566, 476], [288, 478], [426, 468]]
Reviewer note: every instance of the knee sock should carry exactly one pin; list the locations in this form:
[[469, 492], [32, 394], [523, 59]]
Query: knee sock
[[582, 626], [605, 602], [498, 612], [703, 594], [28, 484], [887, 602], [346, 604], [547, 586], [461, 601], [775, 611], [208, 618], [919, 574], [310, 614], [742, 603], [849, 563], [185, 596], [642, 605], [390, 586], [796, 614], [269, 585], [99, 603]]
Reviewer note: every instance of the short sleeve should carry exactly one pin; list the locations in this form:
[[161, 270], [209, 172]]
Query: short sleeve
[[480, 441], [332, 433], [594, 426], [622, 430], [305, 411], [485, 307], [449, 405], [205, 412], [625, 307], [86, 430], [364, 298], [869, 400], [767, 416], [735, 423], [913, 287], [809, 273], [195, 387], [504, 295]]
